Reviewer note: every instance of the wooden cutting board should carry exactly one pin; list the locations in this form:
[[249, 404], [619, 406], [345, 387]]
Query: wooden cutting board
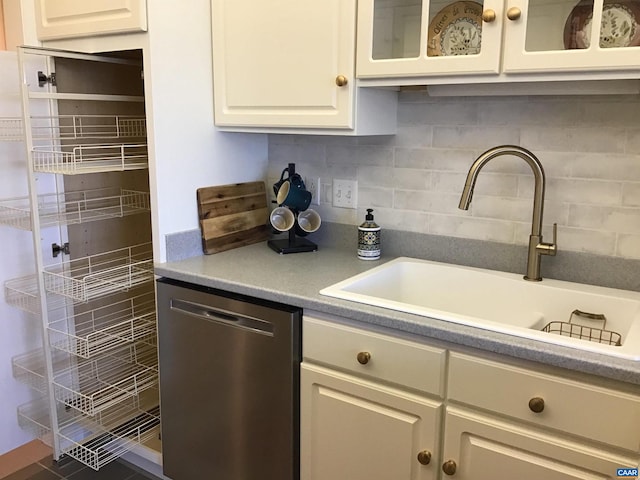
[[232, 215]]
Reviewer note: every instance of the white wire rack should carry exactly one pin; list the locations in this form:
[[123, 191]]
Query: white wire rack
[[106, 328], [22, 293], [79, 159], [99, 440], [73, 127], [29, 368], [74, 207], [11, 129], [35, 418], [92, 386], [98, 275]]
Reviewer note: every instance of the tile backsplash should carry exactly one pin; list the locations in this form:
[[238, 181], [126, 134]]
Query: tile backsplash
[[589, 147]]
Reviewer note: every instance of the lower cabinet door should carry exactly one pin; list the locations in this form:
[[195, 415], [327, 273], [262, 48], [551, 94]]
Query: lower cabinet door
[[352, 429], [483, 448]]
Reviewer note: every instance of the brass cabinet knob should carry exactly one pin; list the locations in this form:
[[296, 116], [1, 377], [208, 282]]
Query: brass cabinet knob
[[449, 467], [363, 357], [341, 80], [514, 13], [489, 15], [536, 404], [424, 457]]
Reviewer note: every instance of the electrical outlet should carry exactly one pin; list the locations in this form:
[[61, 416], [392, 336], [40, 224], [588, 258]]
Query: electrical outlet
[[313, 186], [345, 193], [271, 196]]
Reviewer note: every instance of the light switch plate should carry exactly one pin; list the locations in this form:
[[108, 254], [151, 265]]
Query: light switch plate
[[345, 193]]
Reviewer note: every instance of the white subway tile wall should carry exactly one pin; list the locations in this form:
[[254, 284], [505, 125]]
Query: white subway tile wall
[[589, 147]]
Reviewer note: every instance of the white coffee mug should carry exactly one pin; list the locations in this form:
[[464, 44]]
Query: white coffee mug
[[282, 219], [309, 221]]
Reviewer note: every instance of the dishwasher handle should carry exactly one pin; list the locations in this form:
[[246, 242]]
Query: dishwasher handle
[[223, 317]]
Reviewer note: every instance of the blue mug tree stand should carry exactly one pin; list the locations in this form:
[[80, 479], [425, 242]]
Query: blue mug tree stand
[[292, 244]]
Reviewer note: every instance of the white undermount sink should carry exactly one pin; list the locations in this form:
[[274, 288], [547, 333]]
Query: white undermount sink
[[501, 302]]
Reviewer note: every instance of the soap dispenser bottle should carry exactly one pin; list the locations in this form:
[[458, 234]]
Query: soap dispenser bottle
[[369, 238]]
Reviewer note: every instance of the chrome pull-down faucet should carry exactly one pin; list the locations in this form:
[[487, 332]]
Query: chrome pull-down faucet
[[536, 246]]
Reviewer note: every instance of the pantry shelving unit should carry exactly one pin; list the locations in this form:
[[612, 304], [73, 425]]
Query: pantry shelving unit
[[29, 368], [94, 386], [96, 441], [84, 130], [34, 417], [22, 293], [11, 130], [96, 276], [58, 209], [106, 328]]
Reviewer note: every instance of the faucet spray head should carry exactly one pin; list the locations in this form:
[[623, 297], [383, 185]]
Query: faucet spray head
[[465, 198]]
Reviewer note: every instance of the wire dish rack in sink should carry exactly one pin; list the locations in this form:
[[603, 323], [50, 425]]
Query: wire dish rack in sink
[[585, 332]]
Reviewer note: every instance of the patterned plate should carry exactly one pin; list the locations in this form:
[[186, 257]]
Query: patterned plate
[[620, 24], [456, 30]]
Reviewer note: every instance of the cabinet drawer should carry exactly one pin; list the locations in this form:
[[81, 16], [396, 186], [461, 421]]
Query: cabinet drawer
[[390, 359], [577, 408]]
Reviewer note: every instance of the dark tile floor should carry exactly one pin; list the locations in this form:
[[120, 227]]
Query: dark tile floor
[[67, 468]]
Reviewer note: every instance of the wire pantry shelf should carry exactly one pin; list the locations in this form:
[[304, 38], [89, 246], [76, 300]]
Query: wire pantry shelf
[[99, 440], [79, 159], [35, 418], [29, 368], [98, 275], [11, 129], [71, 208], [73, 127], [106, 328], [22, 293], [92, 386]]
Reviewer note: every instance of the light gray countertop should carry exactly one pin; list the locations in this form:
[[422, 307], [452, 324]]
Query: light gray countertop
[[296, 279]]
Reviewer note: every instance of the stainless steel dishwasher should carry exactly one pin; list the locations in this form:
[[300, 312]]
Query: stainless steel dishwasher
[[229, 385]]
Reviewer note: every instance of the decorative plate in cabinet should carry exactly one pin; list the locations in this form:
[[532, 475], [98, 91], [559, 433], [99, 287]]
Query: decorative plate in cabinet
[[456, 30], [620, 25]]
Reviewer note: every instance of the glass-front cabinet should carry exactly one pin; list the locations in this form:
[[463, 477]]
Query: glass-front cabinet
[[558, 35], [409, 38]]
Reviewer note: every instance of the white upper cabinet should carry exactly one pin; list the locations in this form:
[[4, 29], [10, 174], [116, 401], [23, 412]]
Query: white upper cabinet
[[415, 38], [57, 19], [486, 38], [556, 36], [290, 64]]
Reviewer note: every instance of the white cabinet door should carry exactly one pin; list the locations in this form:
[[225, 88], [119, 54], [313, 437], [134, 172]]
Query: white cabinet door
[[441, 40], [276, 63], [80, 18], [483, 448], [408, 38], [357, 430], [571, 36]]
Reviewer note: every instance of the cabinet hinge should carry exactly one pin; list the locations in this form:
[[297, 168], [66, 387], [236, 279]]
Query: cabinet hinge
[[43, 79], [57, 249]]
